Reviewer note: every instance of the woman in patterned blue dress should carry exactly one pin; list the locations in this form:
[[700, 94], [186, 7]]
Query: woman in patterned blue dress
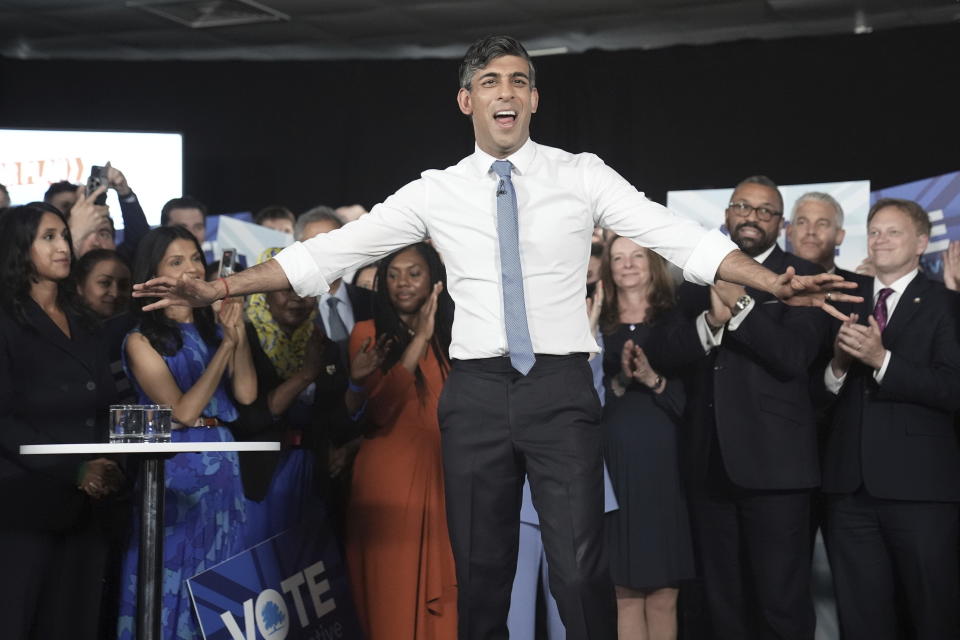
[[184, 358]]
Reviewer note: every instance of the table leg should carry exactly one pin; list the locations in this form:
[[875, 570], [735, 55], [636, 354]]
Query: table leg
[[150, 562]]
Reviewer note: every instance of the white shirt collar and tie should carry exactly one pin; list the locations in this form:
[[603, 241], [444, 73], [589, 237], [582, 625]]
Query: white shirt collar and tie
[[835, 383]]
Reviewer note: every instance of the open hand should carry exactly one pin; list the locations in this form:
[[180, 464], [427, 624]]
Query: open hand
[[185, 291], [820, 290]]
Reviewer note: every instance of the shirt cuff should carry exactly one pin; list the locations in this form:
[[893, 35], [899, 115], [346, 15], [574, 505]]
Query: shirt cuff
[[738, 319], [302, 271], [708, 340], [879, 373], [832, 382], [705, 259]]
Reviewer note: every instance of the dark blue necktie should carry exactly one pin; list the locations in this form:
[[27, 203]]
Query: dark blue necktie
[[511, 272]]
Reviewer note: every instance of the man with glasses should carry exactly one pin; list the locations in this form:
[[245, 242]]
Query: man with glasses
[[751, 439]]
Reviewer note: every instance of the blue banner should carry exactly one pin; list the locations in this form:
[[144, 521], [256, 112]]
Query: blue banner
[[290, 587]]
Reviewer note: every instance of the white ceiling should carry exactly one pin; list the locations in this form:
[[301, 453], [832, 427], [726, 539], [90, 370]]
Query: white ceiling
[[332, 29]]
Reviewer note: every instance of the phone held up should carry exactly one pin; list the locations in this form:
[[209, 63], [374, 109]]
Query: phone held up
[[228, 262], [98, 178]]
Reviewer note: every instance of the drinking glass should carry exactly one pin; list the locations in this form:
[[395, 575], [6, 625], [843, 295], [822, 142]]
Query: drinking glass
[[157, 422]]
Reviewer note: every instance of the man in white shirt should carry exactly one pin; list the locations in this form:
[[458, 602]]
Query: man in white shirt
[[513, 222], [891, 468]]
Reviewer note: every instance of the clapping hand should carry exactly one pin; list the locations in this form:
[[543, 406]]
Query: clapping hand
[[230, 319], [864, 343], [951, 266], [594, 307], [841, 359], [368, 359], [427, 314]]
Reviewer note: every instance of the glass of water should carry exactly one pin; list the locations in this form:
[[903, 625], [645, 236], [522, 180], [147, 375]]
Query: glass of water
[[126, 423], [157, 422]]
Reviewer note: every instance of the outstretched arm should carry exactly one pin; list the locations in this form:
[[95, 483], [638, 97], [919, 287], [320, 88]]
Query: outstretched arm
[[193, 292], [820, 290]]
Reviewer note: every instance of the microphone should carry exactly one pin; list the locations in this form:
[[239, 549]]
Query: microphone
[[501, 190]]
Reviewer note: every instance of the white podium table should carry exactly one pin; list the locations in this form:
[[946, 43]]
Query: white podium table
[[150, 561]]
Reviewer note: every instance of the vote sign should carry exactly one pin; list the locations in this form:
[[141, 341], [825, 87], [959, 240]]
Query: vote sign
[[290, 587]]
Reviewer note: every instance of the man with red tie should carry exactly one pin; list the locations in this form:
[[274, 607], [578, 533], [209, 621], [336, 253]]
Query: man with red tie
[[891, 469]]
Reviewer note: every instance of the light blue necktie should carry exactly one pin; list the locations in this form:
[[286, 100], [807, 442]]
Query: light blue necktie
[[511, 273]]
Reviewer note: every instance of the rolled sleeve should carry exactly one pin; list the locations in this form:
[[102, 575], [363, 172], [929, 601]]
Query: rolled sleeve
[[705, 259], [302, 271]]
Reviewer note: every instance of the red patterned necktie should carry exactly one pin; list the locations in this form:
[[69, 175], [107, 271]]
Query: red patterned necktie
[[880, 309]]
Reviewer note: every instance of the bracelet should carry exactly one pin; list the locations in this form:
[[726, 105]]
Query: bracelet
[[226, 287], [356, 388]]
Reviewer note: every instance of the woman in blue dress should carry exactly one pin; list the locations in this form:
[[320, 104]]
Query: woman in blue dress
[[200, 366]]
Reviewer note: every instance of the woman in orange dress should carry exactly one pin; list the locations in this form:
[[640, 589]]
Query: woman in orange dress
[[398, 550]]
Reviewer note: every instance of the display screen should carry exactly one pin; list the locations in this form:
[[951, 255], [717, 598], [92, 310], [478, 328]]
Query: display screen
[[31, 160]]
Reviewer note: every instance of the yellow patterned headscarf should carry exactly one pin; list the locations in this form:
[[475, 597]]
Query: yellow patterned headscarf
[[285, 352]]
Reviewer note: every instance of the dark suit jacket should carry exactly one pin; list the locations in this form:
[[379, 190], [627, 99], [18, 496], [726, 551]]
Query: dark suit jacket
[[329, 422], [751, 395], [53, 390], [899, 438], [361, 300]]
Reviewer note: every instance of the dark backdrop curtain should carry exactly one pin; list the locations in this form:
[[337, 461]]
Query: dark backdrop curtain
[[303, 133]]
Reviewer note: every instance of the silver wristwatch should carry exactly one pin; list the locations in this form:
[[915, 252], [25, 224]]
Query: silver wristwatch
[[742, 303]]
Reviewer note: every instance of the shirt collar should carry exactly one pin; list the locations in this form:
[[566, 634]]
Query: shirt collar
[[341, 294], [522, 158], [766, 254], [898, 286]]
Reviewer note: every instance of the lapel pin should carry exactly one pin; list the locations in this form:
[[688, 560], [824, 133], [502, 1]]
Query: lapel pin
[[916, 301], [332, 368]]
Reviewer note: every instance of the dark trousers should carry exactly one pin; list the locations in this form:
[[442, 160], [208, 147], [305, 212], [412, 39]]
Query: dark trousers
[[887, 551], [496, 425], [753, 549]]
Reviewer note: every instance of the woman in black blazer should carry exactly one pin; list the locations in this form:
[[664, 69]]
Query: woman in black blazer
[[55, 387]]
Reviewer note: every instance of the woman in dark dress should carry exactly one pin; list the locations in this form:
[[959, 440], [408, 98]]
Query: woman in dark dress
[[648, 538], [55, 388]]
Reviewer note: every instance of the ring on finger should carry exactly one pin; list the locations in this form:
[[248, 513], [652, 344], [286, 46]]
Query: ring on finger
[[829, 296]]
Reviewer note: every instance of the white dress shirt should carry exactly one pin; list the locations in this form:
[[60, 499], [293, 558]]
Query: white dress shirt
[[561, 197], [345, 308], [834, 383]]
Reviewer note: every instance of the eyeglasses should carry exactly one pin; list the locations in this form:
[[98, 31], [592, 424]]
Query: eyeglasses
[[742, 210]]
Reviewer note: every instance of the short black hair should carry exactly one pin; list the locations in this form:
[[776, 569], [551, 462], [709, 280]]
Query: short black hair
[[274, 212], [185, 202], [489, 48], [58, 187]]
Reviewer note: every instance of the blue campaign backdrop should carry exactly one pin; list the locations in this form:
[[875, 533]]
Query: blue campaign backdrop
[[290, 587], [940, 196]]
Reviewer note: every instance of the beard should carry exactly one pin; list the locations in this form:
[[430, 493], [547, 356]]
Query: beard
[[750, 245]]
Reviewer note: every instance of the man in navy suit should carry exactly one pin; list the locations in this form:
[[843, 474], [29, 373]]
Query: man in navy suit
[[749, 440], [892, 463], [816, 230]]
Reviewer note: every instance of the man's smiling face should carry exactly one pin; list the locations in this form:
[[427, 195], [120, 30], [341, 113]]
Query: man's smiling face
[[500, 101]]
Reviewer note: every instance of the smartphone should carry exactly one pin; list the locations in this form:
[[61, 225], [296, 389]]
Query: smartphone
[[98, 178], [228, 261]]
